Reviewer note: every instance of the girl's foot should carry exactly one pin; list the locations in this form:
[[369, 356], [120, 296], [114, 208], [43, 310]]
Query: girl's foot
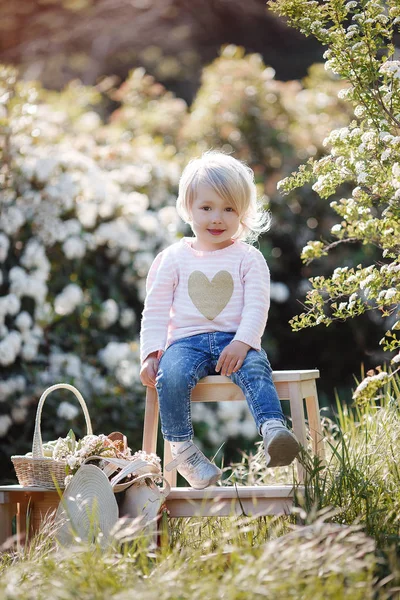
[[191, 463], [280, 445]]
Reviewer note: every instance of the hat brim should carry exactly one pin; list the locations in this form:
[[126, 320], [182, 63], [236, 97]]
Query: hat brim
[[88, 509]]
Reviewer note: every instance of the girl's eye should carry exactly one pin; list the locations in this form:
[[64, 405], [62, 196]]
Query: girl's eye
[[205, 208], [229, 209]]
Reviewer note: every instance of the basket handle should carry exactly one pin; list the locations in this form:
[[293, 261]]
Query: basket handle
[[37, 447]]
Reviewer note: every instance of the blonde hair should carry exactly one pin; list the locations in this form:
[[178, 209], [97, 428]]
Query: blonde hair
[[234, 182]]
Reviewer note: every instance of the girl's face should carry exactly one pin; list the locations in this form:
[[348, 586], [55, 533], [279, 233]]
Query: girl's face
[[214, 221]]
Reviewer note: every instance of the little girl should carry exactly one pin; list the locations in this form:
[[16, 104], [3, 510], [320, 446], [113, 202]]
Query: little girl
[[205, 312]]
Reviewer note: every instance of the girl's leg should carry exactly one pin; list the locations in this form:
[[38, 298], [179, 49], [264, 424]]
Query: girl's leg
[[181, 366], [255, 379]]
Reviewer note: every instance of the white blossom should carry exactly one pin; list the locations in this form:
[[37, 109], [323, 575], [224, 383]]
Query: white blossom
[[44, 313], [119, 234], [148, 222], [87, 213], [390, 293], [72, 365], [11, 386], [11, 219], [23, 321], [279, 292], [114, 353], [127, 318], [5, 424], [127, 372], [67, 411], [108, 313], [30, 351], [391, 68], [72, 461], [44, 169], [19, 414], [168, 217], [9, 305], [67, 301], [22, 284], [142, 263], [9, 348], [134, 204], [373, 379], [34, 257], [396, 170], [4, 246], [367, 280], [74, 247], [362, 177], [89, 122]]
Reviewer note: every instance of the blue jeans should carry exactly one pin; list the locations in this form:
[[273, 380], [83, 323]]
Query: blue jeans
[[189, 359]]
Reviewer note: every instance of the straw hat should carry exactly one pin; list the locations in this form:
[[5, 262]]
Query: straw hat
[[87, 508]]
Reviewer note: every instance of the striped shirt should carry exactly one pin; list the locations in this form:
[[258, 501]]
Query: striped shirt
[[191, 291]]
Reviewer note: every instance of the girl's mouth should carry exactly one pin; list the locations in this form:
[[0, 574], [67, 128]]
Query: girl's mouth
[[216, 231]]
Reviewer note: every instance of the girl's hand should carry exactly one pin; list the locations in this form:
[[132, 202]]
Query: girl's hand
[[149, 370], [232, 357]]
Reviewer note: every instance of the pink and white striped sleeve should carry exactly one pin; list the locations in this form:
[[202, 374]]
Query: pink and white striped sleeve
[[160, 285], [256, 281]]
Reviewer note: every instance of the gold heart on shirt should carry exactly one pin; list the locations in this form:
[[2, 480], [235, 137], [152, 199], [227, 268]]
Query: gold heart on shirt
[[210, 297]]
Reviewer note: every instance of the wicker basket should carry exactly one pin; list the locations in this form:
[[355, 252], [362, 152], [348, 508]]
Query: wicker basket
[[38, 470]]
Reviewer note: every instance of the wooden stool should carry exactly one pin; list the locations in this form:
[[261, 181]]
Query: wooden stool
[[183, 501], [290, 385]]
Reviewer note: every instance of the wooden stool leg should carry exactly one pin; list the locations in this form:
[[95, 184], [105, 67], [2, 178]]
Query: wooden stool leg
[[22, 509], [314, 421], [298, 420], [150, 428], [7, 512], [170, 476]]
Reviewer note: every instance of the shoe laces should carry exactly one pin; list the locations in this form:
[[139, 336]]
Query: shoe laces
[[272, 426], [195, 460]]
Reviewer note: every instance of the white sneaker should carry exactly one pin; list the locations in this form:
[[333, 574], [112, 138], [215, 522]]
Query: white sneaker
[[191, 463], [280, 445]]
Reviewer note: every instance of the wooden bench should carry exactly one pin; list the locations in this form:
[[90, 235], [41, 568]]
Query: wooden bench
[[295, 386], [29, 505]]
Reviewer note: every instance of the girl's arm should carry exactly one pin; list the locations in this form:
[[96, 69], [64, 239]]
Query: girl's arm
[[256, 281], [160, 286], [149, 370]]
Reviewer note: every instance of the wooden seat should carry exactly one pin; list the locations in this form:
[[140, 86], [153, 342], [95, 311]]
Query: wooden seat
[[295, 386]]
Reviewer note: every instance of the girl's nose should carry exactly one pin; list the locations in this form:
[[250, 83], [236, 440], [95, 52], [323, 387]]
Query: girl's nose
[[216, 218]]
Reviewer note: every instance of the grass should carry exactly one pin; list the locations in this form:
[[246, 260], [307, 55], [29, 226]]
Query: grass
[[343, 540], [226, 558]]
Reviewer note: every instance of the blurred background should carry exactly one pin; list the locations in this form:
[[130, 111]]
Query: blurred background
[[109, 100]]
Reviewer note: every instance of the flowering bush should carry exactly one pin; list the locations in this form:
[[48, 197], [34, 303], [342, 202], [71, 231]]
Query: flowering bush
[[84, 208], [363, 157]]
